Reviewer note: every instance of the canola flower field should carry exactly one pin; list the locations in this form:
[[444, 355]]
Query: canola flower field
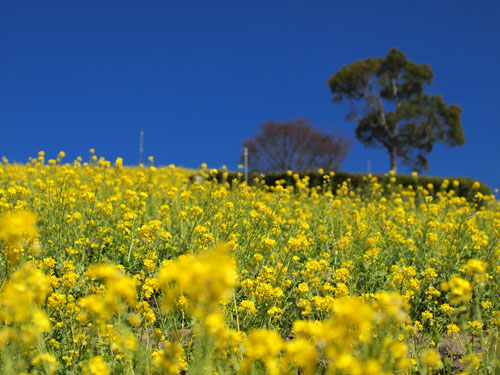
[[107, 269]]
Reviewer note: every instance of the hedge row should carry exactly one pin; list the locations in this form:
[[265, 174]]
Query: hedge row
[[359, 181]]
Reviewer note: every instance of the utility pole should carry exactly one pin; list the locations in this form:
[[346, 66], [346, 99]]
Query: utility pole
[[141, 143], [368, 165], [245, 159]]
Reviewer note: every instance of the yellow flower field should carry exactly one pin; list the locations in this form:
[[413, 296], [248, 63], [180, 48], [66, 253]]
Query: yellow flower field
[[109, 269]]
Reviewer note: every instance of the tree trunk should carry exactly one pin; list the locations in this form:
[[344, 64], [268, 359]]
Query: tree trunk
[[394, 159]]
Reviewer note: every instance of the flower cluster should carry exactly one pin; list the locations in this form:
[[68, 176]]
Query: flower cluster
[[161, 270]]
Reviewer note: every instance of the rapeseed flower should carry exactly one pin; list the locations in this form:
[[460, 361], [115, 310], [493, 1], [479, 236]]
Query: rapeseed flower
[[460, 290], [97, 366], [363, 267], [264, 346], [204, 279], [16, 229], [170, 360]]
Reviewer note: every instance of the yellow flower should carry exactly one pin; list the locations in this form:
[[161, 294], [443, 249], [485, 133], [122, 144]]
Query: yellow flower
[[302, 353], [118, 286], [427, 315], [352, 313], [460, 290], [97, 366], [475, 327], [303, 289], [119, 162], [472, 361], [431, 358], [247, 306], [171, 359], [14, 227], [23, 295], [215, 323], [487, 305], [46, 361], [204, 279], [275, 313], [392, 306], [447, 309], [145, 310], [262, 345], [7, 335], [475, 267], [452, 329], [372, 367]]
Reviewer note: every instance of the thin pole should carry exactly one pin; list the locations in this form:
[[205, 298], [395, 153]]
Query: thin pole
[[368, 165], [141, 148], [245, 158]]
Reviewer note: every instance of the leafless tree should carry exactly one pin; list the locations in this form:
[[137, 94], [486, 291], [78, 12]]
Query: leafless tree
[[295, 145]]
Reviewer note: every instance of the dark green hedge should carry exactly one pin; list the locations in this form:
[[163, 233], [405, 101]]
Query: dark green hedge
[[358, 181]]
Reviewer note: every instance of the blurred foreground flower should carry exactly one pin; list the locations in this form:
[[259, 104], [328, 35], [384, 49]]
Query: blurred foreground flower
[[21, 301], [118, 287], [204, 279], [17, 228]]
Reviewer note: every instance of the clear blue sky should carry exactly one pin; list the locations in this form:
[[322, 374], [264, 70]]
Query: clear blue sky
[[200, 76]]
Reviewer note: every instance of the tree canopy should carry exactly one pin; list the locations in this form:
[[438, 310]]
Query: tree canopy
[[387, 101], [295, 145]]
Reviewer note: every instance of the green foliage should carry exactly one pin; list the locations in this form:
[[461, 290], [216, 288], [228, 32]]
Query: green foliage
[[392, 111]]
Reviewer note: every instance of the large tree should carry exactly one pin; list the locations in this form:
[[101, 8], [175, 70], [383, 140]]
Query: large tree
[[295, 145], [387, 101]]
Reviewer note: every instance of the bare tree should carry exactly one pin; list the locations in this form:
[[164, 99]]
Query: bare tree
[[295, 145]]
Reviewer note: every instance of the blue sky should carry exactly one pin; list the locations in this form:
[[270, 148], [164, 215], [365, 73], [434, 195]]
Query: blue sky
[[199, 77]]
